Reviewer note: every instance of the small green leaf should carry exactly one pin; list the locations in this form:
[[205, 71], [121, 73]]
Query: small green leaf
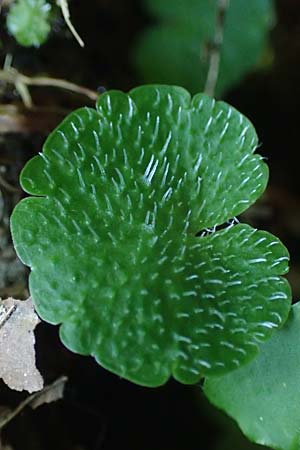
[[112, 241], [28, 22], [264, 396], [176, 50]]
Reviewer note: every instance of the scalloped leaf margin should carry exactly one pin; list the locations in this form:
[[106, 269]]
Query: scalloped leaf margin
[[112, 242]]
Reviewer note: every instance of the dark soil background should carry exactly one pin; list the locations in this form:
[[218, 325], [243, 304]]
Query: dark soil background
[[100, 411]]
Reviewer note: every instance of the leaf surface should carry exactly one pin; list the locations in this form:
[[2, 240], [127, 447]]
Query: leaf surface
[[264, 396], [175, 50], [112, 242]]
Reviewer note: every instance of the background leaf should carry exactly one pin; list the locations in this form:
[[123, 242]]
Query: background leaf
[[28, 22], [113, 246], [175, 50], [264, 396]]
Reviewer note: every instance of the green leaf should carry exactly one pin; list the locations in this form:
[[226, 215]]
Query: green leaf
[[264, 396], [28, 22], [112, 242], [176, 49]]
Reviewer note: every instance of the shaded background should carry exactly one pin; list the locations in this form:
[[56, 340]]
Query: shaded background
[[100, 411]]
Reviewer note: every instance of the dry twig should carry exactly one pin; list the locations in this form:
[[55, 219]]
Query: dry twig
[[21, 82], [48, 394]]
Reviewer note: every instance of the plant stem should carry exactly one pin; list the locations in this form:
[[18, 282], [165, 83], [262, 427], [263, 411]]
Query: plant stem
[[215, 49], [22, 82], [63, 4]]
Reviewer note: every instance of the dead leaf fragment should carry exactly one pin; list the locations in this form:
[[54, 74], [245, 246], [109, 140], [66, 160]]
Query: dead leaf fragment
[[17, 354]]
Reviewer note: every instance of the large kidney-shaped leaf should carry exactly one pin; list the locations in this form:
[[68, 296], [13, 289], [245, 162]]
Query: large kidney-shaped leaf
[[175, 50], [112, 241], [264, 396]]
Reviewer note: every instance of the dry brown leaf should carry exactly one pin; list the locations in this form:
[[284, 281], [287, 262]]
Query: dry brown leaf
[[17, 354]]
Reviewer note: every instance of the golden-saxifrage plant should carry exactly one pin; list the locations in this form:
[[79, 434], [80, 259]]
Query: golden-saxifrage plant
[[122, 234], [120, 194]]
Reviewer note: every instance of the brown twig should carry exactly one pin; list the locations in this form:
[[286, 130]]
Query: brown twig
[[6, 418], [215, 48], [6, 314], [21, 82]]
